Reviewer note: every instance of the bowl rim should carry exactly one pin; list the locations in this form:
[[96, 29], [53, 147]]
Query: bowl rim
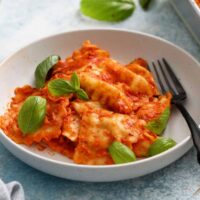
[[81, 166]]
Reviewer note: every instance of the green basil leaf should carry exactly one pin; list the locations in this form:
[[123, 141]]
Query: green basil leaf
[[43, 69], [145, 3], [120, 153], [107, 10], [82, 94], [75, 81], [32, 114], [60, 87], [158, 125], [160, 145]]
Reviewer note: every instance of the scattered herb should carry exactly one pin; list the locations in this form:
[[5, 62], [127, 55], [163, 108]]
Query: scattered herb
[[75, 81], [107, 10], [43, 69], [160, 145], [120, 153], [32, 114], [82, 94], [61, 87], [158, 125]]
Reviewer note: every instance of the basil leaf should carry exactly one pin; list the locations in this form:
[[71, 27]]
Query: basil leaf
[[43, 69], [107, 10], [75, 81], [82, 94], [60, 87], [31, 114], [145, 3], [158, 125], [120, 153], [160, 145]]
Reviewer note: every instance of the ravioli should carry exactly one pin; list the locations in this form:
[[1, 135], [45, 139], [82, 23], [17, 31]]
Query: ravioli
[[123, 98]]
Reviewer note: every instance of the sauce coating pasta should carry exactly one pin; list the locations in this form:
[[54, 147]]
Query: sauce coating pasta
[[122, 100]]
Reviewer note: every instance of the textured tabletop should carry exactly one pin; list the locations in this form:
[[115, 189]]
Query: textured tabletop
[[23, 21]]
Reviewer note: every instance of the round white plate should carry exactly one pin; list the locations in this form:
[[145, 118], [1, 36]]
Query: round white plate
[[124, 46]]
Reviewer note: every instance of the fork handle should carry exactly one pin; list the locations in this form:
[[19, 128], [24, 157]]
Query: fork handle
[[195, 131]]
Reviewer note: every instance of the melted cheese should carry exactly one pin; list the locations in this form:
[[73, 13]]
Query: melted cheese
[[99, 127]]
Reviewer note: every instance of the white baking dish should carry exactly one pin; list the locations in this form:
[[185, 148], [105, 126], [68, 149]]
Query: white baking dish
[[189, 12]]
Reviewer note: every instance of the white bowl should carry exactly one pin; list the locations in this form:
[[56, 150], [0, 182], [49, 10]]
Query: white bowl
[[124, 46]]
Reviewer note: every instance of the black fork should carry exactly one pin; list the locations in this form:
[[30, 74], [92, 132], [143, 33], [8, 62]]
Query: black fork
[[168, 81]]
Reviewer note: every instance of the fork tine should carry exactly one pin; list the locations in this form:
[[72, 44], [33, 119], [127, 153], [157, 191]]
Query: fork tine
[[158, 78], [166, 79], [177, 83]]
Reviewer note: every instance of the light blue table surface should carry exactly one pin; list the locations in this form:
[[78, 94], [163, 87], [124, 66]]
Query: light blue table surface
[[22, 21]]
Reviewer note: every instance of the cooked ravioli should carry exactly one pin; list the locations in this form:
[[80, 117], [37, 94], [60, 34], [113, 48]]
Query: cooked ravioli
[[123, 98]]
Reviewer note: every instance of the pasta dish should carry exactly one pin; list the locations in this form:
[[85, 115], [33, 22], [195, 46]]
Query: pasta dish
[[90, 103]]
